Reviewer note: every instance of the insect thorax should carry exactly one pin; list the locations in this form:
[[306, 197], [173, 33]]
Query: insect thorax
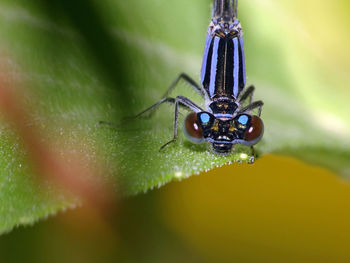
[[223, 67], [224, 106]]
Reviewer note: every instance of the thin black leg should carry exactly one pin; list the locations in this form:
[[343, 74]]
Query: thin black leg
[[181, 100], [249, 92], [257, 104], [189, 80], [253, 155], [149, 109], [165, 98]]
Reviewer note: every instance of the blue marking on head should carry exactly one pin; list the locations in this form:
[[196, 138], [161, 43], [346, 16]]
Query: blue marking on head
[[205, 118], [243, 119]]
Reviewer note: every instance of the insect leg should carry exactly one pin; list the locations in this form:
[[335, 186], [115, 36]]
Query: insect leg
[[189, 80], [257, 104], [249, 92], [181, 100], [253, 155], [149, 109]]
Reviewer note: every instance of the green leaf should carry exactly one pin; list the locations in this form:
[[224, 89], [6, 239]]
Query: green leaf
[[82, 62]]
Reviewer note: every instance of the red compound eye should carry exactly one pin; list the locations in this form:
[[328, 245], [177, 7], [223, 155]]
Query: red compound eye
[[192, 128], [255, 131]]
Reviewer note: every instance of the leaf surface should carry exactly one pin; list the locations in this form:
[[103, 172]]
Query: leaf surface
[[83, 64]]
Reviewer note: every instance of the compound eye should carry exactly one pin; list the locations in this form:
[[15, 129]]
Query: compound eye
[[254, 131], [192, 128]]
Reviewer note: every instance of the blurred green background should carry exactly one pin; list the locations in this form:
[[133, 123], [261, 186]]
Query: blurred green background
[[278, 210]]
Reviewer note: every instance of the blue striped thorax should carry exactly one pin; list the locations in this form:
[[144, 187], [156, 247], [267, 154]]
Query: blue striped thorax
[[223, 67]]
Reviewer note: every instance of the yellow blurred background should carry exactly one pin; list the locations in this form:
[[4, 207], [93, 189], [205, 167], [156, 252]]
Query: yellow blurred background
[[278, 210]]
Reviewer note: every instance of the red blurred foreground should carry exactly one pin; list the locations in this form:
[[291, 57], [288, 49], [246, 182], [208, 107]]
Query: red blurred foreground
[[73, 172]]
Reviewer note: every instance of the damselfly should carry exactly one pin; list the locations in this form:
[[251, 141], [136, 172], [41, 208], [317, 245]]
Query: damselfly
[[224, 122]]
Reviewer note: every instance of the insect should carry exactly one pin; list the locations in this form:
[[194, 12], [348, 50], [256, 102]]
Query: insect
[[224, 122]]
